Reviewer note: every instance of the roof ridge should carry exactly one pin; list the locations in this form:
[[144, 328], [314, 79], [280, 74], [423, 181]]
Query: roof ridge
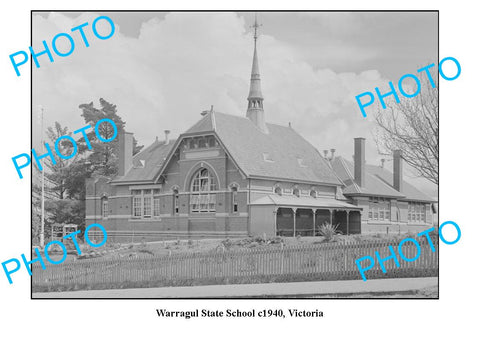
[[358, 188], [375, 176], [214, 124], [334, 172]]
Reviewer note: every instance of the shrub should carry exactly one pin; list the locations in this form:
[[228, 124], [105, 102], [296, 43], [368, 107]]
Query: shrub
[[328, 230]]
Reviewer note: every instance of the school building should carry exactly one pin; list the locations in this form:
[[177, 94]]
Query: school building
[[232, 176]]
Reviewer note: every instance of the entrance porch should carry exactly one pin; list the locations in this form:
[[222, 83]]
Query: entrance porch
[[302, 216]]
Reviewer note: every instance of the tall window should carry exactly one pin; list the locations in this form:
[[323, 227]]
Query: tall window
[[137, 203], [379, 208], [147, 203], [234, 199], [202, 199], [104, 207], [175, 201], [156, 202]]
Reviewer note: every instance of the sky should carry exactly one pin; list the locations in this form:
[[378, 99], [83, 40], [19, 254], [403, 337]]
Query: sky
[[162, 69]]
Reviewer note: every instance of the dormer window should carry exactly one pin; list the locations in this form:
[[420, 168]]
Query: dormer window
[[296, 192], [267, 157], [278, 191], [313, 193], [301, 162]]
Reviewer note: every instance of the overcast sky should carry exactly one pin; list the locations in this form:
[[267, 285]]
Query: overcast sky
[[163, 69]]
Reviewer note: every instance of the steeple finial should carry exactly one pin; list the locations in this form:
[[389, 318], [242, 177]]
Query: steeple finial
[[255, 98], [255, 26]]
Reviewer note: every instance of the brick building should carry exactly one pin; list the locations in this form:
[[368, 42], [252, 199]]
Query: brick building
[[388, 202], [226, 176]]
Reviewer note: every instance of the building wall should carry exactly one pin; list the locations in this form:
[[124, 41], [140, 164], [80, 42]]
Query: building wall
[[398, 222], [262, 221], [224, 222]]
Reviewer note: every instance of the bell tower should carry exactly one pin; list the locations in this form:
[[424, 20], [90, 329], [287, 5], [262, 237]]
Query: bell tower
[[255, 98]]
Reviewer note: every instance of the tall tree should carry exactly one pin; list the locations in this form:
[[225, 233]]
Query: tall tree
[[412, 126], [57, 173], [103, 157]]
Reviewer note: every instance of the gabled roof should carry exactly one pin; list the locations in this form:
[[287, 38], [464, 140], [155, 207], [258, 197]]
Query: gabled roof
[[147, 163], [280, 154], [207, 123], [378, 182]]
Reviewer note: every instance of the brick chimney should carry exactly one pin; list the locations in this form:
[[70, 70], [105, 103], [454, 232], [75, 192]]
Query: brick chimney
[[167, 132], [359, 161], [125, 152], [398, 170], [333, 153]]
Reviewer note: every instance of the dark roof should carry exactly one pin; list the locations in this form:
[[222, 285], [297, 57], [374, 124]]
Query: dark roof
[[408, 190], [378, 182], [153, 158], [280, 154]]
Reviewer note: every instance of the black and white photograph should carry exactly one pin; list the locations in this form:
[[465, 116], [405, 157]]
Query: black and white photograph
[[239, 170], [237, 157]]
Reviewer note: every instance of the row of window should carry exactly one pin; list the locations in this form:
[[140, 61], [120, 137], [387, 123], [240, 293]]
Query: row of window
[[146, 203], [200, 143], [295, 192], [379, 208]]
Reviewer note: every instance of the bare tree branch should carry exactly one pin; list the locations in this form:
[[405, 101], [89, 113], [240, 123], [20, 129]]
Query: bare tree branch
[[412, 126]]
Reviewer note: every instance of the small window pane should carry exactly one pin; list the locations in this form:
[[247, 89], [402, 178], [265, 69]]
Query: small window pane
[[137, 207], [156, 206], [147, 206]]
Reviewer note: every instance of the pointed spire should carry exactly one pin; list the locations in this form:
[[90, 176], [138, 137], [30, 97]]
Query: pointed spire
[[255, 83], [255, 98]]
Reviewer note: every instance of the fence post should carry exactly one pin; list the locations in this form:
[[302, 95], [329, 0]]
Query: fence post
[[282, 252]]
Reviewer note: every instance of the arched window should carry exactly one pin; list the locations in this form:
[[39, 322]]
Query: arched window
[[202, 199], [234, 199], [313, 193], [175, 201], [278, 191], [296, 192]]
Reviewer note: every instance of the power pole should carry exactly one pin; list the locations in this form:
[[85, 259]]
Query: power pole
[[42, 229]]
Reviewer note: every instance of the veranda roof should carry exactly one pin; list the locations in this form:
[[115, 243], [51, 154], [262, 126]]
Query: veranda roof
[[304, 202]]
